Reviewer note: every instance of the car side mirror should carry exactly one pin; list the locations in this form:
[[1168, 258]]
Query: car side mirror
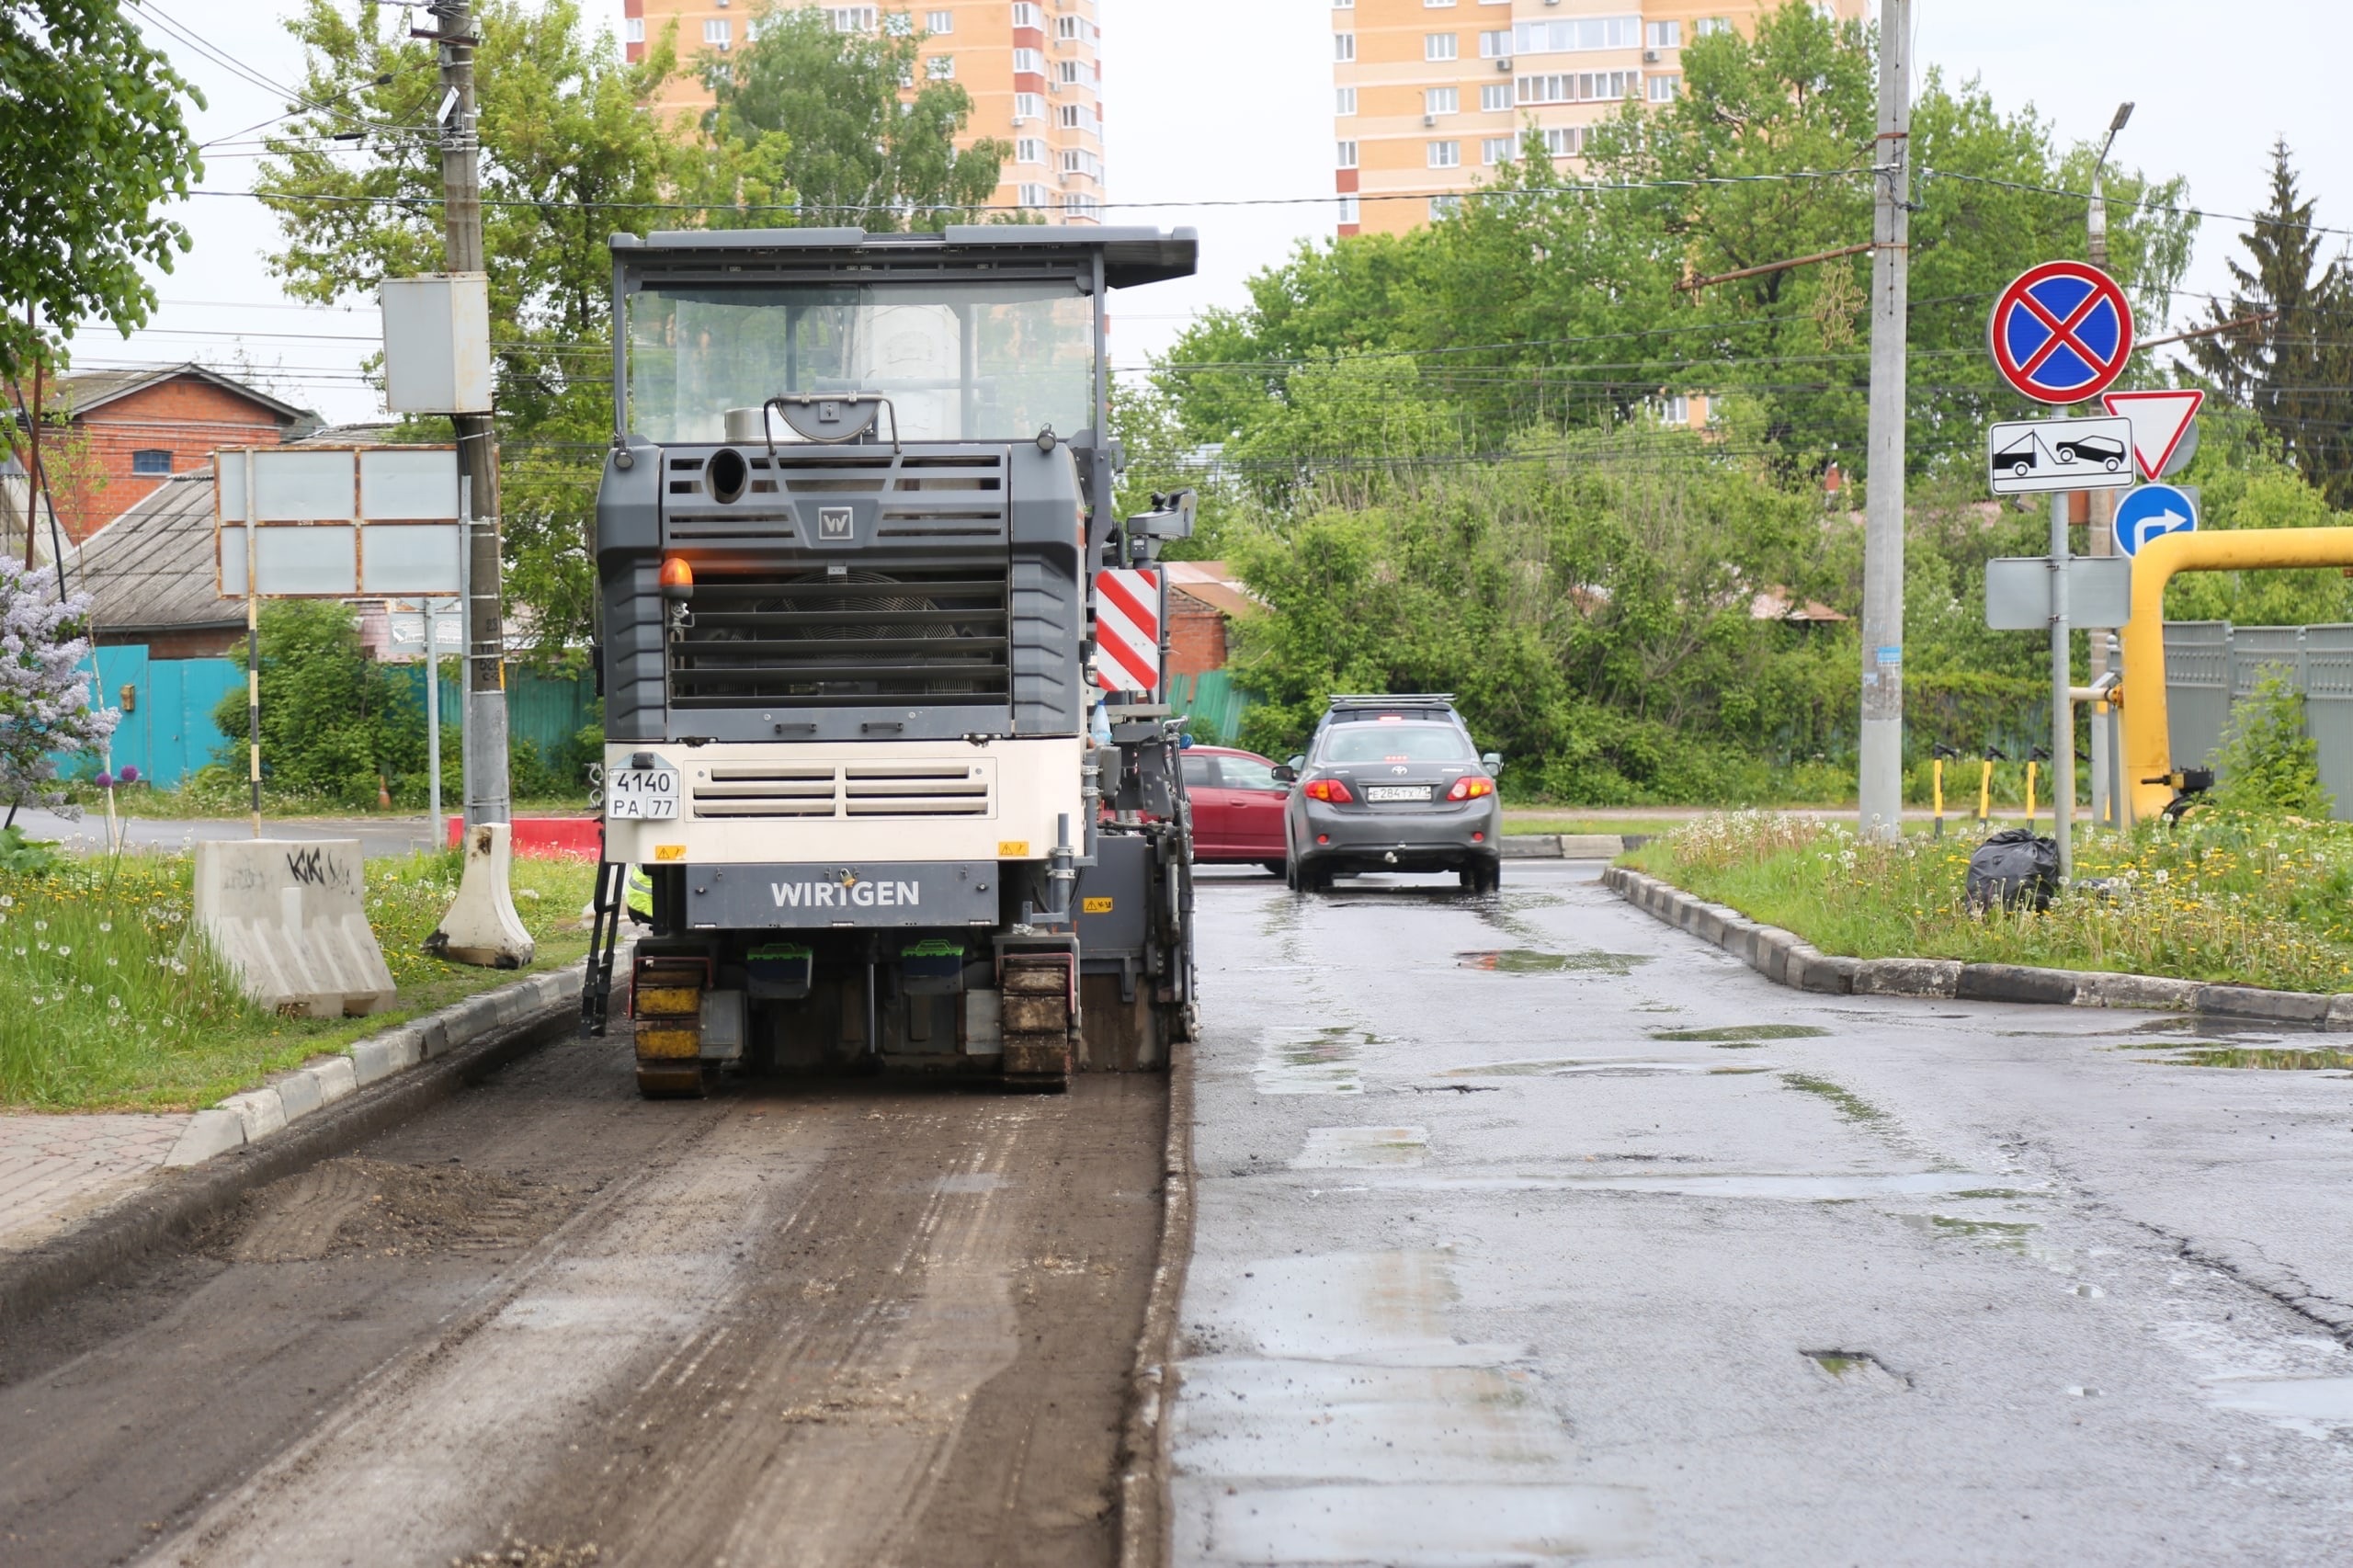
[[1285, 773], [1492, 761]]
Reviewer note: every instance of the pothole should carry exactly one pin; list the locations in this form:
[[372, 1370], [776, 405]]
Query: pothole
[[2272, 1058], [1743, 1033], [1531, 960], [1310, 1062], [2009, 1235], [1363, 1148], [1858, 1369]]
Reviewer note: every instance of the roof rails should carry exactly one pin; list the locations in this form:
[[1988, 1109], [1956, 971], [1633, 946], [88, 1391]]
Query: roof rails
[[1395, 699]]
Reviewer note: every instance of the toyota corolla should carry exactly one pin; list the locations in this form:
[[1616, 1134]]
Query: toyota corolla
[[1399, 789]]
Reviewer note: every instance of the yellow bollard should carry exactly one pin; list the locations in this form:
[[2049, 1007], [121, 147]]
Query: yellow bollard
[[2029, 793]]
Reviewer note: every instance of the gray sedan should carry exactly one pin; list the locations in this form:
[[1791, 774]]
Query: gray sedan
[[1392, 795]]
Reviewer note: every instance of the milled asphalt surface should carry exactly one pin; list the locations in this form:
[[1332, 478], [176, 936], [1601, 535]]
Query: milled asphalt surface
[[1486, 1271]]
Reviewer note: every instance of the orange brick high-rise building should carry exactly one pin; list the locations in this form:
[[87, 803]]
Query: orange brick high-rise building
[[1032, 67], [1432, 94]]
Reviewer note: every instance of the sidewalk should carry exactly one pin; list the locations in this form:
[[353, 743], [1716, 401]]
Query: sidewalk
[[54, 1169]]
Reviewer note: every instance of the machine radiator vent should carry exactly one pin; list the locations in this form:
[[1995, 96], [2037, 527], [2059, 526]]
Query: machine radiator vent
[[808, 637], [950, 498], [863, 789]]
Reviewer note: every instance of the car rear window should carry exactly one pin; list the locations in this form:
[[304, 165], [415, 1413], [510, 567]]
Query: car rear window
[[1395, 743]]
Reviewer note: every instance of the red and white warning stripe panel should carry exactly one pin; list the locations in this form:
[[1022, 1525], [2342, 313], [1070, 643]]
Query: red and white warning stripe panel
[[1126, 630]]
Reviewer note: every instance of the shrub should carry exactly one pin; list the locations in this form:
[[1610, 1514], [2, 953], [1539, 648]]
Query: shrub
[[2266, 761]]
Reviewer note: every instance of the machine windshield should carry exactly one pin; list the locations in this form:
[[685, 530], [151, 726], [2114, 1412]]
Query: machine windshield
[[972, 360]]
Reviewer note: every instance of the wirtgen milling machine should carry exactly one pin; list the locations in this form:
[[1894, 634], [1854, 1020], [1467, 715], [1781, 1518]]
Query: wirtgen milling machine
[[847, 539]]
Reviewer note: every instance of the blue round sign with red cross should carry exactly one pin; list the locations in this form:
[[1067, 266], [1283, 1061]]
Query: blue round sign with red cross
[[2062, 333]]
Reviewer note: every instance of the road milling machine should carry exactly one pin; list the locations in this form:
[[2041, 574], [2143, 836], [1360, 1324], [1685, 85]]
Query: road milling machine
[[888, 752]]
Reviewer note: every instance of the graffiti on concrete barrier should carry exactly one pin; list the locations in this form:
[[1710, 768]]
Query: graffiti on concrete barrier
[[316, 868]]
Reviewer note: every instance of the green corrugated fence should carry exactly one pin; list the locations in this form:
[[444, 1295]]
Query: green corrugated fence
[[1216, 703]]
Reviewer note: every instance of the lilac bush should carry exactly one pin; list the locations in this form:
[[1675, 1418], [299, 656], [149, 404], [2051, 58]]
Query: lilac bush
[[45, 711]]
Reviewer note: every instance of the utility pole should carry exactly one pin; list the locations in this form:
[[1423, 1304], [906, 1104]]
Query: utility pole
[[1881, 792], [486, 632], [2103, 501]]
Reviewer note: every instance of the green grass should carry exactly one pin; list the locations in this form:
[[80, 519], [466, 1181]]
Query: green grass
[[2222, 897], [110, 1000]]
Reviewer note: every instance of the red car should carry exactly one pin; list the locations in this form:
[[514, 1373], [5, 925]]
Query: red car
[[1238, 806]]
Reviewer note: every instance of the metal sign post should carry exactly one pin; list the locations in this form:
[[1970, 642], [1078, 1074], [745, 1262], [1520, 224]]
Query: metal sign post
[[2062, 707]]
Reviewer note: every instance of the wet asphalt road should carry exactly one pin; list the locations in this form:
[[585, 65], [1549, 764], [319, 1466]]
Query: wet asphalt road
[[1490, 1269]]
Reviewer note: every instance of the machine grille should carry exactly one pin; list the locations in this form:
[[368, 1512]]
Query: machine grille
[[862, 789], [824, 637]]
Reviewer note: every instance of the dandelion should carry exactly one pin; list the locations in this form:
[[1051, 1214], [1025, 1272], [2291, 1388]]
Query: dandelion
[[105, 926], [114, 1003], [40, 924]]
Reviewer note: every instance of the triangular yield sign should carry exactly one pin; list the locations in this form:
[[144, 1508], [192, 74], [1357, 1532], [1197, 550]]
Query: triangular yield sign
[[2160, 419]]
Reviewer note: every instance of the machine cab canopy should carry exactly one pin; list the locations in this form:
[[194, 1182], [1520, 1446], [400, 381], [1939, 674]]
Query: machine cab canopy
[[977, 333]]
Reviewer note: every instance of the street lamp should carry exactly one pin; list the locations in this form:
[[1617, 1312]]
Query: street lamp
[[2099, 207]]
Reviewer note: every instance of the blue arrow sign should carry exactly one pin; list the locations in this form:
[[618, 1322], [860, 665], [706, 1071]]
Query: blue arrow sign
[[2152, 512]]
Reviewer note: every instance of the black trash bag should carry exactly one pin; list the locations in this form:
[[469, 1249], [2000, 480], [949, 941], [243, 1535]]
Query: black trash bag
[[2013, 868]]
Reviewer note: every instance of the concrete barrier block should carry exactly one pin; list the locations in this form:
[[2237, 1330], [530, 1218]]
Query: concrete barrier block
[[208, 1132], [262, 1112], [2097, 990], [1530, 845], [2249, 1002], [381, 1056], [289, 918], [480, 926], [335, 1078], [300, 1093], [1590, 846], [2015, 983], [1907, 977]]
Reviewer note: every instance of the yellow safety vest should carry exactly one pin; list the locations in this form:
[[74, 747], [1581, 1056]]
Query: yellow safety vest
[[640, 892]]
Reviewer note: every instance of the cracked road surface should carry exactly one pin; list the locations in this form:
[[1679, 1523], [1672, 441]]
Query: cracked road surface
[[1531, 1231], [825, 1323]]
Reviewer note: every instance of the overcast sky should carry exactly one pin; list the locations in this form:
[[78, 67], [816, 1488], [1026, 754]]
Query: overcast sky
[[1229, 101]]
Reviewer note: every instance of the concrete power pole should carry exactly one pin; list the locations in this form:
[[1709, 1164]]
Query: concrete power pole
[[485, 661], [2103, 501], [1881, 795]]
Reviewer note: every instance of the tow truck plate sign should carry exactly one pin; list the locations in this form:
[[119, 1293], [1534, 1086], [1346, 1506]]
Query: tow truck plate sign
[[643, 794], [950, 893], [2029, 455]]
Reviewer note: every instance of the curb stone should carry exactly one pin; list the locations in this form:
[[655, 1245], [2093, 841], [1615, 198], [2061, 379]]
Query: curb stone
[[1564, 845], [1783, 958], [204, 1186]]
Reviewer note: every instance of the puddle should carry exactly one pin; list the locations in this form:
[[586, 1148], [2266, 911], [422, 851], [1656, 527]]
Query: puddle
[[1531, 960], [1858, 1369], [1310, 1062], [1363, 1148], [1603, 1067], [2011, 1234], [1786, 1186], [2275, 1059], [1851, 1106], [2306, 1403], [1732, 1034]]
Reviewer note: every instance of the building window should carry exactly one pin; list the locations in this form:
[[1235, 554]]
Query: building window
[[1438, 46], [1441, 100], [1076, 29], [1674, 410], [1344, 5], [1579, 86], [1347, 155], [1494, 150], [940, 68], [1345, 101], [1029, 150], [1079, 161], [1495, 43], [634, 29], [1709, 27], [898, 24], [1664, 89], [1028, 16], [1081, 206], [1343, 47], [1350, 207], [151, 461], [1078, 117], [841, 19], [1033, 196], [1495, 97], [1563, 140], [944, 21], [714, 31], [1030, 60], [1662, 35], [1436, 4], [1028, 106], [1075, 73], [1589, 32], [1445, 154], [1444, 206]]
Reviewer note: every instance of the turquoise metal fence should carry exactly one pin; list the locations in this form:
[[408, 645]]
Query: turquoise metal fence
[[166, 729], [1216, 703]]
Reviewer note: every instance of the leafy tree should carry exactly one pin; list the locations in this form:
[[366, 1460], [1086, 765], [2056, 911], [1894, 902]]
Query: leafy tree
[[854, 149], [2288, 354], [90, 114], [45, 710], [335, 724]]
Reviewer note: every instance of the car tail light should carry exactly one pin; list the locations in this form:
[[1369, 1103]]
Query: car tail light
[[1471, 787], [1334, 790]]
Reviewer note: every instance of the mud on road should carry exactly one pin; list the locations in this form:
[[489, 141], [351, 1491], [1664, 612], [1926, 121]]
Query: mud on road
[[805, 1323]]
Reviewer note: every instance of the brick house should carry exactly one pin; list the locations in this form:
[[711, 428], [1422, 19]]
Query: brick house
[[1202, 597], [133, 430]]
